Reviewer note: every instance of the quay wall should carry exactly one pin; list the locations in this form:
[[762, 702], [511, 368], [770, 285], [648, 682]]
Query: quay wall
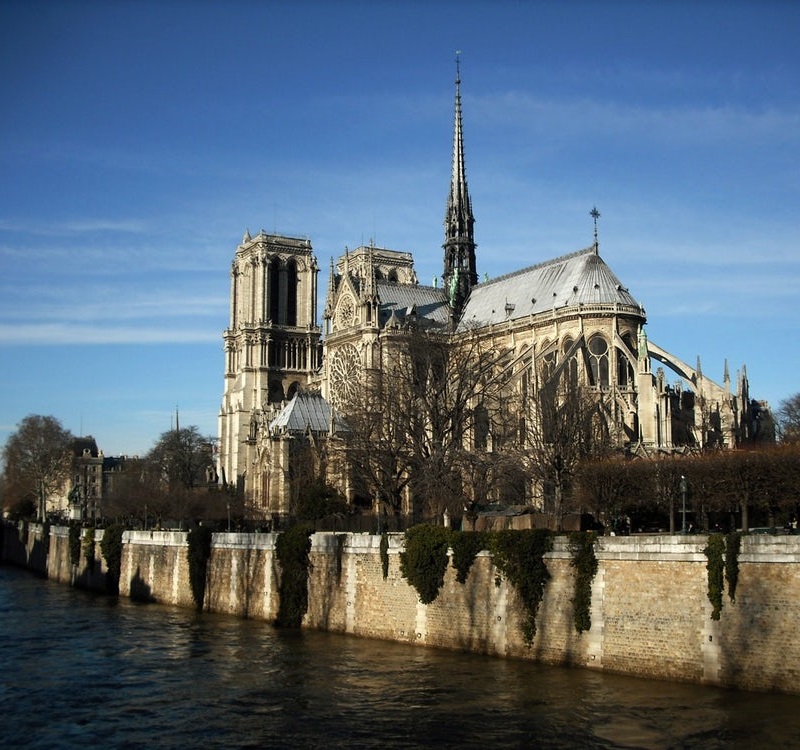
[[650, 611]]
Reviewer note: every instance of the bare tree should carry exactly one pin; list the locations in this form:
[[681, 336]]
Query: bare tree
[[423, 423], [37, 461], [182, 458], [788, 419], [565, 426]]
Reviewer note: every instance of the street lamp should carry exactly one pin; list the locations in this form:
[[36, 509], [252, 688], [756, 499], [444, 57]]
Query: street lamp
[[684, 488]]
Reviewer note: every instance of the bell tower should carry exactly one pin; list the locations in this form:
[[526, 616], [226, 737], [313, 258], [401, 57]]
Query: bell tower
[[272, 343]]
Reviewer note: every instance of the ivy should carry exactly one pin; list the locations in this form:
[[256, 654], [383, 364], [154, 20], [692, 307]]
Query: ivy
[[715, 566], [198, 553], [88, 548], [292, 549], [466, 545], [111, 547], [519, 556], [733, 544], [74, 544], [423, 561], [46, 538], [384, 551], [584, 560]]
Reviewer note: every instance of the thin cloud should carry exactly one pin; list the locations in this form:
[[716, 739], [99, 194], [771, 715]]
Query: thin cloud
[[75, 226], [685, 123], [60, 333]]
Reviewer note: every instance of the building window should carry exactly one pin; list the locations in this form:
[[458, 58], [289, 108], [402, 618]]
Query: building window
[[572, 365], [598, 360], [291, 293], [274, 290]]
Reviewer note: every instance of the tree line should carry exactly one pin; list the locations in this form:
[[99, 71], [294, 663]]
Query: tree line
[[439, 429], [174, 483]]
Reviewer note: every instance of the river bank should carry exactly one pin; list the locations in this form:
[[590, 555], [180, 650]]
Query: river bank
[[650, 611]]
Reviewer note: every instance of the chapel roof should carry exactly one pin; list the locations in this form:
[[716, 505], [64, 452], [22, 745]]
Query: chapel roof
[[580, 278], [307, 411]]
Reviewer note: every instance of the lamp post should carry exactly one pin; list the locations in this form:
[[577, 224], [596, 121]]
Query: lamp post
[[684, 488], [229, 516]]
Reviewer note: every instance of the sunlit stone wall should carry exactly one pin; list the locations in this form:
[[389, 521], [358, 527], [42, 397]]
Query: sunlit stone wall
[[650, 611]]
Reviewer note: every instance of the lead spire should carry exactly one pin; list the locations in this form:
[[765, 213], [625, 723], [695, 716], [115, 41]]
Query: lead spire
[[460, 273]]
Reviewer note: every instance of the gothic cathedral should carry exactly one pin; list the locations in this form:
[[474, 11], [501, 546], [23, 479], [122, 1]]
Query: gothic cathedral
[[567, 316]]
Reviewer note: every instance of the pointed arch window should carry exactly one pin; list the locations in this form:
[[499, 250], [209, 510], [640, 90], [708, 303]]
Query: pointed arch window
[[598, 361], [291, 293], [274, 290], [625, 375], [572, 365]]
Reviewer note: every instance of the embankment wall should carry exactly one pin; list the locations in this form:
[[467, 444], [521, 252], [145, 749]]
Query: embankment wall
[[650, 611]]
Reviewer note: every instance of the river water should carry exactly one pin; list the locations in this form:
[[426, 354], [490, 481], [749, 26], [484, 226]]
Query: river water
[[86, 671]]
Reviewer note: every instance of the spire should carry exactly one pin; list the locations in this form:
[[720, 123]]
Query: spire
[[459, 237]]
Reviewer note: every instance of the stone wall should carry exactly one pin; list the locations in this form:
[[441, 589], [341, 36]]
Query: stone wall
[[650, 611]]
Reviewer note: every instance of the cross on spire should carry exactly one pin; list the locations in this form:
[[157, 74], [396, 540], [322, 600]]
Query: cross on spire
[[595, 214]]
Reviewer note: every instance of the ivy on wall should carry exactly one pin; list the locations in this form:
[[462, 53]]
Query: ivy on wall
[[88, 548], [519, 556], [46, 538], [715, 566], [466, 545], [111, 548], [74, 540], [423, 561], [733, 545], [292, 548], [722, 553], [198, 553], [384, 552], [584, 561]]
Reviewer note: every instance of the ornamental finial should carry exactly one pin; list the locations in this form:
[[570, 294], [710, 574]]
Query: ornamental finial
[[595, 214]]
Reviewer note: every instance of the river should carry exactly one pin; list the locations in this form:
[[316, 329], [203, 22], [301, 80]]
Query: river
[[84, 671]]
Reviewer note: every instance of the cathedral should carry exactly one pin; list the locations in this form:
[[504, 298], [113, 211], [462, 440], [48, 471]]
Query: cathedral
[[288, 381]]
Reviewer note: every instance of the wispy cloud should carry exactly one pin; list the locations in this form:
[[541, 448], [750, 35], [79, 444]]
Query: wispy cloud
[[62, 333], [74, 226], [685, 122]]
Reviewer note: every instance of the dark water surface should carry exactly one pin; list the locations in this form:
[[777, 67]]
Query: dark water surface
[[86, 671]]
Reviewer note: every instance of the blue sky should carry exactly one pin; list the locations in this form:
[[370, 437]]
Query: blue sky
[[139, 140]]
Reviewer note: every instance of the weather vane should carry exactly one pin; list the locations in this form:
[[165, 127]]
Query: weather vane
[[595, 214]]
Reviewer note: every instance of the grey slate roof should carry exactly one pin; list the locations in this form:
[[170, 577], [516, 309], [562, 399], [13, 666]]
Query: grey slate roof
[[308, 410], [430, 302], [580, 278]]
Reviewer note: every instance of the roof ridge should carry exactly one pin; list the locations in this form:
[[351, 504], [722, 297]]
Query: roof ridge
[[585, 251]]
